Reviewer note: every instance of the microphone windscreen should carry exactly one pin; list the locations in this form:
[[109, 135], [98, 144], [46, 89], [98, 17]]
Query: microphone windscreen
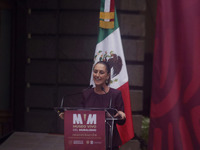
[[102, 88]]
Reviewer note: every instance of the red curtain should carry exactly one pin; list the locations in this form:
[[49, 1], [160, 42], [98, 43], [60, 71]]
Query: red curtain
[[175, 101]]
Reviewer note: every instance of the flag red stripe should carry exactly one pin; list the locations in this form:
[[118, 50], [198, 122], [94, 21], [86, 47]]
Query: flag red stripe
[[126, 131], [112, 5]]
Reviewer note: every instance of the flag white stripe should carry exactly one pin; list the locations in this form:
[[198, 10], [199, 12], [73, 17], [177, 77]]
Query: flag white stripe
[[107, 8]]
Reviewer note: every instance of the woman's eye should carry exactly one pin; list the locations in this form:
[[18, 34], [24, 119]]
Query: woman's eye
[[95, 71], [101, 72]]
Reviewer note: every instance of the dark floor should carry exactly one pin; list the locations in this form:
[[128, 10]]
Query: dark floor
[[45, 141], [33, 141]]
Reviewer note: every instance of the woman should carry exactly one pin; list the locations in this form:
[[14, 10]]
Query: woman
[[102, 96]]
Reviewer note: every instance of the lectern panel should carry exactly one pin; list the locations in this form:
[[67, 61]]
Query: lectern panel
[[84, 130]]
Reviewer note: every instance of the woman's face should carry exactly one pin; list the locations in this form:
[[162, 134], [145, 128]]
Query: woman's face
[[100, 74]]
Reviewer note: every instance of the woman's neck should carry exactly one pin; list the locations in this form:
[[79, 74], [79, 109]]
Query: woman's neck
[[101, 89]]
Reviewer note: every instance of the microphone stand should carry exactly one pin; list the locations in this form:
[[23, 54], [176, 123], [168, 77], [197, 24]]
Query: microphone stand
[[63, 98], [102, 88], [112, 122]]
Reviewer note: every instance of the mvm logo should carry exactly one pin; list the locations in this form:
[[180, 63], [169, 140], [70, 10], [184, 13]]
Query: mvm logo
[[91, 119]]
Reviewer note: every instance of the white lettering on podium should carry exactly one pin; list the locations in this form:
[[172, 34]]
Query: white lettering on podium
[[92, 119], [77, 119]]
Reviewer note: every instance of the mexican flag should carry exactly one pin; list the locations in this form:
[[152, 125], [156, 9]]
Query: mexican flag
[[109, 48]]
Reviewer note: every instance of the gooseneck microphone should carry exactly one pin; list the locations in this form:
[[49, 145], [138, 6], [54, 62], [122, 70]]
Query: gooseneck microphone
[[89, 87], [102, 88], [110, 102], [61, 104]]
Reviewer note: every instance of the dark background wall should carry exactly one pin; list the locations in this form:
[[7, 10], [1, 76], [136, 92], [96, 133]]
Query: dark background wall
[[6, 63], [52, 54]]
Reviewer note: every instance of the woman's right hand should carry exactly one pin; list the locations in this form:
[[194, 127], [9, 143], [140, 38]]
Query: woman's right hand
[[121, 114], [61, 115]]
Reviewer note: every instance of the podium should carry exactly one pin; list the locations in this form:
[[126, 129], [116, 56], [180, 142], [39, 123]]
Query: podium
[[88, 128]]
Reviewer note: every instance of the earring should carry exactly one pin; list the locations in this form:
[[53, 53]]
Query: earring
[[107, 82]]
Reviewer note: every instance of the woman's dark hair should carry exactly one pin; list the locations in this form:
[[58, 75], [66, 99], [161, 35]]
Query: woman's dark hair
[[107, 68]]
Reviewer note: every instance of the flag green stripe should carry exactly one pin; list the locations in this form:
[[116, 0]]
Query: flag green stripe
[[103, 33], [102, 5]]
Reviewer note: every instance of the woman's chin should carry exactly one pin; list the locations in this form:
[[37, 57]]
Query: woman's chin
[[98, 84]]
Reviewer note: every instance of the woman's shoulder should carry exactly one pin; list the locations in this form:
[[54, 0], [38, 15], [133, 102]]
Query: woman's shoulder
[[115, 91], [88, 91]]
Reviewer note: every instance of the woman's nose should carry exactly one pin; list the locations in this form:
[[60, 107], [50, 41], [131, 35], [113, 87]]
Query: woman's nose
[[98, 74]]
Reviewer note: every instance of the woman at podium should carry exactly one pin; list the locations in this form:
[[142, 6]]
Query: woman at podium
[[102, 96]]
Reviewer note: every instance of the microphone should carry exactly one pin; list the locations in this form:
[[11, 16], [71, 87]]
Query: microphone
[[102, 88], [62, 101], [89, 87], [110, 102]]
